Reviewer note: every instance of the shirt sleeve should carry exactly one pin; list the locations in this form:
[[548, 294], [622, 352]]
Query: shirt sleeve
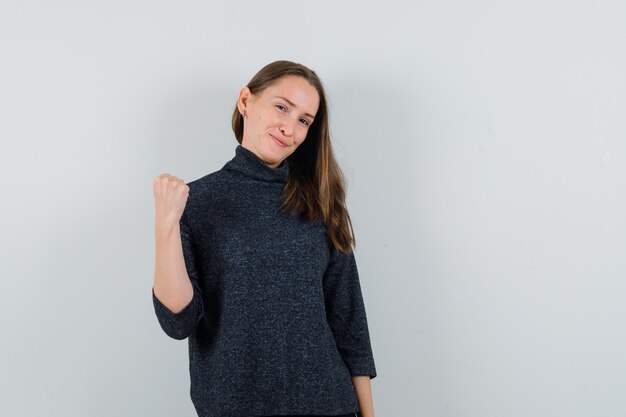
[[182, 324], [345, 312]]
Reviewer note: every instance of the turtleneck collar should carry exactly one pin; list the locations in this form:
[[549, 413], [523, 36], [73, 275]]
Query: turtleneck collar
[[247, 163]]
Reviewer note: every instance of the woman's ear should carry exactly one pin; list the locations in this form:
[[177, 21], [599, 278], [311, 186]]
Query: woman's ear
[[242, 102]]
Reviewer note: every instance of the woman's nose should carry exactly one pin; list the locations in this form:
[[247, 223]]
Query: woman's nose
[[287, 128]]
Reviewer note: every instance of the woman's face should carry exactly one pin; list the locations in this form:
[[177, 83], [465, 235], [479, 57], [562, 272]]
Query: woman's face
[[283, 113]]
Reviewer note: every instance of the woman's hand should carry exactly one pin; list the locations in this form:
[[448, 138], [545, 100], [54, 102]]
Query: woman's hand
[[170, 198]]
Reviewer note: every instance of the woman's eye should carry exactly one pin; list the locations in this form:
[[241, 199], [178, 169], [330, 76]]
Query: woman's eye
[[305, 122], [280, 106]]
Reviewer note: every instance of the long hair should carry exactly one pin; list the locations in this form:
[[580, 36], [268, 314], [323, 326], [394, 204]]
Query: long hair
[[315, 189]]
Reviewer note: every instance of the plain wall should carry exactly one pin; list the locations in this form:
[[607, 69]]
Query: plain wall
[[484, 145]]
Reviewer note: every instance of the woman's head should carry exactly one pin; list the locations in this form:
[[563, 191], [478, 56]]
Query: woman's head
[[287, 100], [284, 102]]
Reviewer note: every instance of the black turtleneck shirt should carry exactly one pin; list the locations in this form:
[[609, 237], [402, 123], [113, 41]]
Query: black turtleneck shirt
[[277, 323]]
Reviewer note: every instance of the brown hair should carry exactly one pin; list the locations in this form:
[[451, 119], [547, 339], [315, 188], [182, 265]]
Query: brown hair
[[315, 189]]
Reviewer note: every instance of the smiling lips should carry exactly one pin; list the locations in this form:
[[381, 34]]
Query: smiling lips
[[280, 142]]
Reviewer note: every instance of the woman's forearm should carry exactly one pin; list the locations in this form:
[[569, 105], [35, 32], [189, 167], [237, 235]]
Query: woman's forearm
[[171, 281], [363, 387]]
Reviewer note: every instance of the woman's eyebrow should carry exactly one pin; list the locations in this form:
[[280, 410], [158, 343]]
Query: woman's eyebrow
[[293, 105]]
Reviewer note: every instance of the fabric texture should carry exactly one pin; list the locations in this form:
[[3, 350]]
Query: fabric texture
[[342, 415], [277, 322]]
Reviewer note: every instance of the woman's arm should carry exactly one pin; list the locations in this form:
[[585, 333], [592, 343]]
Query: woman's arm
[[172, 286], [171, 281], [176, 293], [345, 312], [363, 387]]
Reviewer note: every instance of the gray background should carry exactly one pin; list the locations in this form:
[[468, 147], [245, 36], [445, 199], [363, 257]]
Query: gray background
[[484, 145]]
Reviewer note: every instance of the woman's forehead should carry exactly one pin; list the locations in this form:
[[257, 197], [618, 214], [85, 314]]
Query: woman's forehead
[[297, 91]]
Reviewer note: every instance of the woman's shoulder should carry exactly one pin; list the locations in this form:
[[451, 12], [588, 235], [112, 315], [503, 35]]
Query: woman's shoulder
[[207, 183], [208, 190]]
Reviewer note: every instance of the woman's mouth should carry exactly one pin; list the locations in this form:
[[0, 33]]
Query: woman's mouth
[[278, 141]]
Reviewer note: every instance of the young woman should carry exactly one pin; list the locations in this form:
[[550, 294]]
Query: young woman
[[254, 264]]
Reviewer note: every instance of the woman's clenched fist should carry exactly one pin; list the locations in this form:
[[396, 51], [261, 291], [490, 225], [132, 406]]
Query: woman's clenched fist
[[170, 197]]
